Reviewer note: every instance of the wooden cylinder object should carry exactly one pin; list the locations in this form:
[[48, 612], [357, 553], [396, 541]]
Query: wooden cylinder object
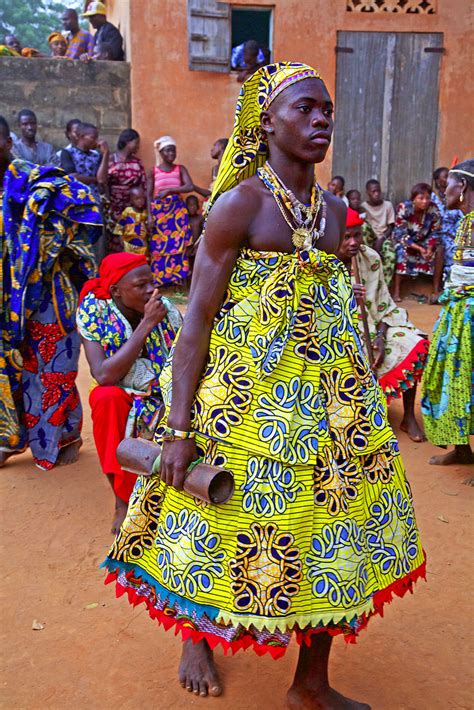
[[209, 483]]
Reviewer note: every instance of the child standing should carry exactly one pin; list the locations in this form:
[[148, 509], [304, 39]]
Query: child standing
[[196, 222], [132, 225]]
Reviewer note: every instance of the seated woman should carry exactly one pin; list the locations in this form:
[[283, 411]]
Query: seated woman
[[417, 237], [127, 330], [400, 349]]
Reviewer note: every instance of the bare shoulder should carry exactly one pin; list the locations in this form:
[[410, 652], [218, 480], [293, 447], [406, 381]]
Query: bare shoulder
[[337, 206], [234, 211]]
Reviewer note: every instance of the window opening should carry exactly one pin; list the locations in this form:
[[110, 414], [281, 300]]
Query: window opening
[[251, 23]]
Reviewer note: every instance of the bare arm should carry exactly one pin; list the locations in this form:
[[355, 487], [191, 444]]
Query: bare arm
[[203, 191], [186, 184], [226, 231], [103, 169], [150, 189], [109, 371]]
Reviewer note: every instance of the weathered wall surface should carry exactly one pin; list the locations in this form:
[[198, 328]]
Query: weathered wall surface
[[98, 93], [197, 107]]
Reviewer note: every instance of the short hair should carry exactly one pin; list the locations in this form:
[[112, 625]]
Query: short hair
[[86, 128], [350, 192], [340, 178], [420, 189], [72, 11], [252, 46], [4, 127], [192, 198], [72, 122], [370, 182], [222, 142], [127, 136], [468, 167], [438, 172], [26, 113]]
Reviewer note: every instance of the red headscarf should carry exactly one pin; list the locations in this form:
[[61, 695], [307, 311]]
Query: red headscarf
[[353, 218], [111, 270]]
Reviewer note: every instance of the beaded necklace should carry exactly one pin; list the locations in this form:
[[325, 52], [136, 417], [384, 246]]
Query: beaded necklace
[[299, 217], [463, 238]]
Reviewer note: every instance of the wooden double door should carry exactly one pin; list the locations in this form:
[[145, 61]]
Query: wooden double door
[[386, 109]]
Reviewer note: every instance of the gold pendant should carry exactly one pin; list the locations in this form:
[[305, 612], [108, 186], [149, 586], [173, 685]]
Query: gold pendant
[[300, 237]]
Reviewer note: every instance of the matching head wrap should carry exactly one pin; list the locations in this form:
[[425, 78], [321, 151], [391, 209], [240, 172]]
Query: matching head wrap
[[353, 218], [112, 269], [247, 148], [56, 37]]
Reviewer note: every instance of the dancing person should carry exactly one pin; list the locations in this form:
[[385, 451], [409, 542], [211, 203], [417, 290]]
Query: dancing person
[[399, 347], [131, 230], [268, 380], [170, 233], [127, 330], [447, 401], [49, 221], [380, 215], [58, 45], [106, 32], [27, 147], [418, 247], [449, 218], [79, 41]]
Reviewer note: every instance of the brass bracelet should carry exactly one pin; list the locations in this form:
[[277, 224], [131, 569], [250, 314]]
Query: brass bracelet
[[170, 434]]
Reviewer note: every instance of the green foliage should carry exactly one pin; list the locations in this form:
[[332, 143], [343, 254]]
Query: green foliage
[[33, 20]]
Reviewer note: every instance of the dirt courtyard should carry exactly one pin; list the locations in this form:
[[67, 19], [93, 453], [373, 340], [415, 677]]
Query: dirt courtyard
[[97, 652]]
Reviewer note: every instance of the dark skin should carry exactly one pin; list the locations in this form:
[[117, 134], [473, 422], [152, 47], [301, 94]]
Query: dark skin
[[196, 220], [217, 151], [28, 128], [96, 21], [168, 157], [442, 182], [375, 198], [350, 247], [421, 203], [58, 48], [87, 140], [336, 187], [141, 304], [70, 21], [13, 42], [299, 125], [459, 196]]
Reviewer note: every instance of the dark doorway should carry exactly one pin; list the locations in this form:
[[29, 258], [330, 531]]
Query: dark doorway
[[386, 109]]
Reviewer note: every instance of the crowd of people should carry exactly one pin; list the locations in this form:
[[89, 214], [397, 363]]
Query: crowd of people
[[73, 42], [293, 317]]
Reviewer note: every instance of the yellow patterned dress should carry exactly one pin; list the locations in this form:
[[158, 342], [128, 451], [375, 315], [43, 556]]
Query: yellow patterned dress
[[320, 531]]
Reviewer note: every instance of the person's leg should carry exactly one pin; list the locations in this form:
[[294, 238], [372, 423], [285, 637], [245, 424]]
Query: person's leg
[[438, 273], [110, 407], [311, 689], [197, 670], [397, 282], [409, 423], [462, 454]]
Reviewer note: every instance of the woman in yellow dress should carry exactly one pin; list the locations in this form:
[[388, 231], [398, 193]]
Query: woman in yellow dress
[[268, 379]]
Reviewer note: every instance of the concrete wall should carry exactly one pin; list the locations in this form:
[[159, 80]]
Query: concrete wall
[[57, 91], [197, 107]]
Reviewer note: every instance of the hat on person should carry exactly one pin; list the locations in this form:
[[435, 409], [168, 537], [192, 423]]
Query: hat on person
[[56, 37], [95, 8], [112, 269], [353, 219], [164, 142]]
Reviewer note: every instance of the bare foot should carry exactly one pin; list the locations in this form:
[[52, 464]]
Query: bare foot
[[397, 298], [434, 298], [301, 698], [69, 454], [413, 429], [119, 516], [469, 482], [197, 670], [5, 455], [460, 454]]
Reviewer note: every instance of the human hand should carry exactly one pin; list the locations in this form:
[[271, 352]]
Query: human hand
[[175, 459], [103, 146], [378, 347], [85, 57], [165, 193], [359, 293], [155, 310]]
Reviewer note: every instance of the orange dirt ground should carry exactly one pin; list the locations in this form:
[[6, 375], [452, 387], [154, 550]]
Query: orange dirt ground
[[98, 652]]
